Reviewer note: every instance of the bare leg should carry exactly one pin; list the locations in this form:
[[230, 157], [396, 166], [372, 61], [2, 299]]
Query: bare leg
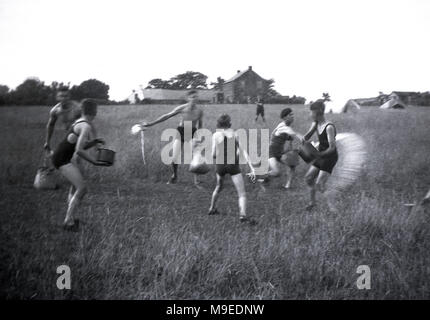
[[240, 188], [194, 144], [176, 160], [321, 181], [310, 179], [215, 194], [291, 173], [274, 167], [70, 195], [197, 182], [426, 199], [321, 187], [72, 173]]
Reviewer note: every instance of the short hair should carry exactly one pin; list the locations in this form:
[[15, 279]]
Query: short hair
[[192, 92], [89, 107], [318, 106], [224, 121], [285, 112]]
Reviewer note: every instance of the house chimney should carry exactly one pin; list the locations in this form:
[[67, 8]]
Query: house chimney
[[238, 71], [250, 68]]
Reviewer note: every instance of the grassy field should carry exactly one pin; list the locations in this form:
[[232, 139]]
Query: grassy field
[[143, 239]]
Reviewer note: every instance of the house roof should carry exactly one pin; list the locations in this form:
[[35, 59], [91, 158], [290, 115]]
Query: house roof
[[393, 104], [169, 94], [241, 73], [404, 93], [237, 76]]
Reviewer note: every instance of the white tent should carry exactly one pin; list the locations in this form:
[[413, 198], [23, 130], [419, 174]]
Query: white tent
[[393, 104], [350, 104]]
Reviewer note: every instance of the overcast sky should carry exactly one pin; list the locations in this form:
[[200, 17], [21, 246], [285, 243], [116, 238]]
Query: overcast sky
[[348, 48]]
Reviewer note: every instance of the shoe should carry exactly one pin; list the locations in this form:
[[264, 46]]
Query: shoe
[[252, 222], [72, 227], [199, 186], [264, 180], [287, 187], [172, 180], [213, 212], [310, 207]]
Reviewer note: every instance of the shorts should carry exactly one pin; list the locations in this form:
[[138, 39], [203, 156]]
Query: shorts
[[182, 133], [327, 163], [260, 111], [231, 169], [276, 151], [63, 154]]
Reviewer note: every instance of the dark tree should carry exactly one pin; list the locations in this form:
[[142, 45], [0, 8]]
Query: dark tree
[[4, 89], [218, 85], [189, 80], [31, 92], [91, 88], [159, 84], [269, 91], [4, 94]]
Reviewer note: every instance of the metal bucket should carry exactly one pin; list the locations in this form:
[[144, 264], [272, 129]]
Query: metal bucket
[[105, 155]]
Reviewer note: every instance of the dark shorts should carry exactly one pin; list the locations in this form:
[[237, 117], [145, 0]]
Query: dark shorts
[[260, 111], [62, 155], [182, 133], [327, 163], [231, 169], [276, 152]]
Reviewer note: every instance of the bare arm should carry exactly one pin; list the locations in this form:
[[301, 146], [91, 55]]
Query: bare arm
[[165, 116], [331, 141], [84, 134], [291, 133], [246, 156], [50, 128], [93, 143], [310, 132]]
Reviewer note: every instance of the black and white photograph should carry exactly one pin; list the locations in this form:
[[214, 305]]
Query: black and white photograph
[[231, 150]]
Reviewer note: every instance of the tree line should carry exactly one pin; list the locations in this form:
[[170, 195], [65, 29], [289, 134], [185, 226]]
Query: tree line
[[197, 80], [33, 91]]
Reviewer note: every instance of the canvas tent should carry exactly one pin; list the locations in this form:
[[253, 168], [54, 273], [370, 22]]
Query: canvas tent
[[350, 104], [393, 104], [333, 107]]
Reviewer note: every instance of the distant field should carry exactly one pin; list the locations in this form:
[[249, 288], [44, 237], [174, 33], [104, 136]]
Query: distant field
[[143, 239]]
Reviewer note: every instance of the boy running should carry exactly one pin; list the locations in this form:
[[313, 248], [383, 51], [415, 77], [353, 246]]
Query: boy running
[[66, 111], [230, 164], [188, 112], [327, 156], [281, 147], [65, 158]]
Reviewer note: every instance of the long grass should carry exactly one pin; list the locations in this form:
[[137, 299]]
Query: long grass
[[143, 239]]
